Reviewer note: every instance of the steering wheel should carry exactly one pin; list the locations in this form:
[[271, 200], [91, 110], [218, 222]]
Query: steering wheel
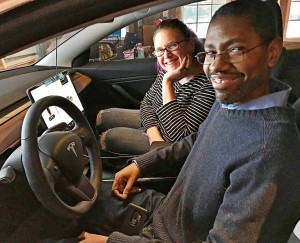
[[55, 162]]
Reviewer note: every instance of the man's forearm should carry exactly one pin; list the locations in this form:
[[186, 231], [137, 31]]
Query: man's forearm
[[166, 159]]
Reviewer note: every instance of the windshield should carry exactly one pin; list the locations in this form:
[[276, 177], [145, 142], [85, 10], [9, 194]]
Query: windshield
[[33, 54]]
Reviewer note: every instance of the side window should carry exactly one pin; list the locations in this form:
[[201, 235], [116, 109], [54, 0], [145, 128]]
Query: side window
[[136, 40], [291, 23], [198, 15], [33, 54], [132, 42]]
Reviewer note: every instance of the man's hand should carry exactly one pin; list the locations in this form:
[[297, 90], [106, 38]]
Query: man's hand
[[92, 238], [124, 180]]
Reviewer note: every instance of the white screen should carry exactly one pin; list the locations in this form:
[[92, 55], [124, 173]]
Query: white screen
[[60, 85]]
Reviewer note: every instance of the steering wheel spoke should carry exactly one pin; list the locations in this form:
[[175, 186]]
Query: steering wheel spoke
[[51, 170], [84, 191], [84, 135]]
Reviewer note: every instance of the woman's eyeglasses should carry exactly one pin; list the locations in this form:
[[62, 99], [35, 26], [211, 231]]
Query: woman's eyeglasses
[[170, 47]]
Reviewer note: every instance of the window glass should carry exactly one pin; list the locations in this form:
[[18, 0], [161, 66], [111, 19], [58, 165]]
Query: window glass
[[32, 54], [206, 2], [220, 2], [200, 29], [294, 11], [190, 14], [198, 15], [213, 2], [293, 27], [204, 13], [133, 41], [215, 8], [136, 40], [293, 30]]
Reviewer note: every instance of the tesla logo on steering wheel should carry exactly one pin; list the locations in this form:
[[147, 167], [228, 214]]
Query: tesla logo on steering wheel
[[71, 147]]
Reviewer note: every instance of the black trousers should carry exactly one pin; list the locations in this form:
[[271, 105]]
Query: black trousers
[[108, 213]]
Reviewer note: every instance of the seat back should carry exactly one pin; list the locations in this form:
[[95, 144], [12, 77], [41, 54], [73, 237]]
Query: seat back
[[296, 106], [287, 67]]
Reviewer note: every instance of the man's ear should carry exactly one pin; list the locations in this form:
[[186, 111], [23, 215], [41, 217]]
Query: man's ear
[[274, 50]]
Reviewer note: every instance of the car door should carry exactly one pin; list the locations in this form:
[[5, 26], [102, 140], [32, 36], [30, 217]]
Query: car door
[[121, 83]]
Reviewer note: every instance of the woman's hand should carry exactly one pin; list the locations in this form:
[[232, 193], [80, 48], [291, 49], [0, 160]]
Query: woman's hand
[[124, 180], [179, 73], [154, 135], [185, 70], [92, 238]]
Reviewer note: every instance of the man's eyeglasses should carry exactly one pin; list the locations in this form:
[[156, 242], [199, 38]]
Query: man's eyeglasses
[[170, 47], [232, 55]]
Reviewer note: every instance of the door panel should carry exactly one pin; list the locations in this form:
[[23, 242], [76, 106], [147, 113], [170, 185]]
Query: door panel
[[121, 83]]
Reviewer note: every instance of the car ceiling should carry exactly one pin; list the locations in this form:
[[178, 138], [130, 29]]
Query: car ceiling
[[37, 20]]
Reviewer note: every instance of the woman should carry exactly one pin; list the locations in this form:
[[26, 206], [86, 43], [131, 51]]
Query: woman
[[176, 104]]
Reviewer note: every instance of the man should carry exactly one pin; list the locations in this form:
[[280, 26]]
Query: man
[[239, 177]]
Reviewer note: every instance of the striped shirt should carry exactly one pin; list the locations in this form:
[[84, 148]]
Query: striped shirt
[[182, 116]]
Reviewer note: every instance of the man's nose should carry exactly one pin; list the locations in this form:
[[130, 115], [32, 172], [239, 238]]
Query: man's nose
[[218, 63]]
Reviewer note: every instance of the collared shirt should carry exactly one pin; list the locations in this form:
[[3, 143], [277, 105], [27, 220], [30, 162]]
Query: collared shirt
[[270, 100]]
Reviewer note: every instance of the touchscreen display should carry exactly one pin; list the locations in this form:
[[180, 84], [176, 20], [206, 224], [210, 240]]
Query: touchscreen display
[[61, 85]]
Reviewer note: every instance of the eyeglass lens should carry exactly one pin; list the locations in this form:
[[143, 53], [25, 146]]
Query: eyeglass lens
[[169, 48]]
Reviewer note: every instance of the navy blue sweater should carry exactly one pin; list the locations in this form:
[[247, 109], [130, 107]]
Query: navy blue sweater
[[240, 181]]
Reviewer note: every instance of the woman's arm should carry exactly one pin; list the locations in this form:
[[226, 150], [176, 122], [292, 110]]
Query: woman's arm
[[148, 115], [183, 115], [185, 69], [154, 134]]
